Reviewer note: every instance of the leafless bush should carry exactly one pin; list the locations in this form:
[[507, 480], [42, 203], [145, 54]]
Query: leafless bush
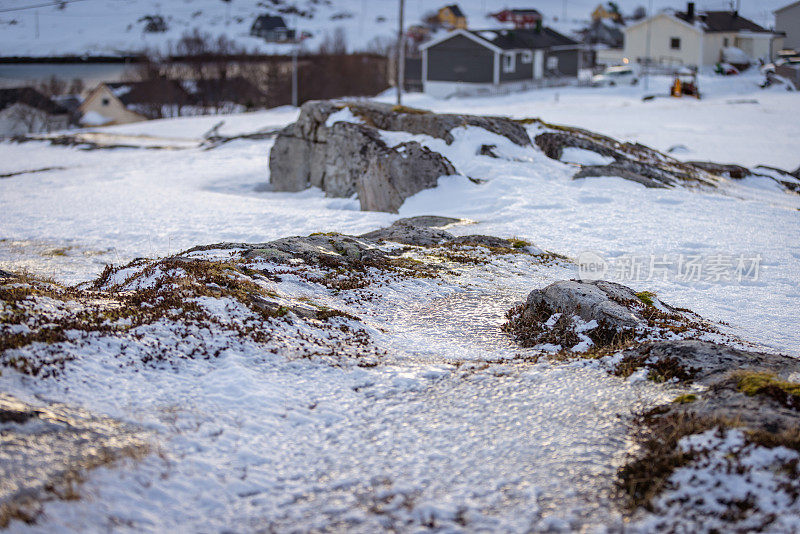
[[335, 44]]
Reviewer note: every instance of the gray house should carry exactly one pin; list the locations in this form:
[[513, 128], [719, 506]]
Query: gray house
[[272, 29], [472, 61], [787, 20]]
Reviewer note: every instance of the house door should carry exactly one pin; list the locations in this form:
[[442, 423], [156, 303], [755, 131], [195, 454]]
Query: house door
[[538, 64]]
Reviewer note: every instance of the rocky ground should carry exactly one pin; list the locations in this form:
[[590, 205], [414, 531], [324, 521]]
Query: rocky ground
[[713, 423]]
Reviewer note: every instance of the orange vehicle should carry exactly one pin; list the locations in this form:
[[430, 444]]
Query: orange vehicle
[[685, 83]]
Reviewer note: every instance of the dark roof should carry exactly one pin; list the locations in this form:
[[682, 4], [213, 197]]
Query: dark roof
[[30, 97], [455, 10], [269, 22], [723, 21], [533, 12], [150, 92], [524, 38]]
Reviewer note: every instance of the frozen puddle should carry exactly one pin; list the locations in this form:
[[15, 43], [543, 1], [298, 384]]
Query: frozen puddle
[[253, 443]]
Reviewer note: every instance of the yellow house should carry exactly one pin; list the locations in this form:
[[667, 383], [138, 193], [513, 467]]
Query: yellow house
[[125, 102], [600, 13], [103, 107], [452, 17]]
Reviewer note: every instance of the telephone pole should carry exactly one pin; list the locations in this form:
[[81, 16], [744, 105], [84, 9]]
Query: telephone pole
[[401, 56]]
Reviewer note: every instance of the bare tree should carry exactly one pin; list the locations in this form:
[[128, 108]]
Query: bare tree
[[335, 44], [53, 86]]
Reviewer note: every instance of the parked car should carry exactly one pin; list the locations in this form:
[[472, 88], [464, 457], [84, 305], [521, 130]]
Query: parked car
[[621, 75]]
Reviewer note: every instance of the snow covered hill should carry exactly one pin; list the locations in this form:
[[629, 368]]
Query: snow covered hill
[[111, 27]]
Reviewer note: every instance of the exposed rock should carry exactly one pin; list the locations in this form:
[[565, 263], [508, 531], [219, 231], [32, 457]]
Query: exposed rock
[[6, 274], [578, 316], [325, 249], [408, 233], [711, 360], [430, 221], [348, 158], [736, 172], [46, 450], [439, 125], [633, 161], [599, 301]]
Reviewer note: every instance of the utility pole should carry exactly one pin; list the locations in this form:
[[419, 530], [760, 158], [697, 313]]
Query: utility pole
[[647, 51], [401, 56], [295, 52]]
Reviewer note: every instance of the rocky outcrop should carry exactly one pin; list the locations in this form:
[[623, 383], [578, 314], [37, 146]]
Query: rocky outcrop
[[47, 450], [350, 157], [633, 161], [339, 250], [644, 165]]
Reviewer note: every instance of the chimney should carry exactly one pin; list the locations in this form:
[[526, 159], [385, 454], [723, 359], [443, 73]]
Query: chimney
[[690, 11]]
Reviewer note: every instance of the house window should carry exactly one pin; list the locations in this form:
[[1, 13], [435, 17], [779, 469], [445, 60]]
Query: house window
[[527, 57], [509, 62], [675, 43], [106, 101], [726, 42], [552, 63]]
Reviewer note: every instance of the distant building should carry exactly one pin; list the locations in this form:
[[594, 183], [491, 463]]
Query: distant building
[[611, 12], [604, 32], [787, 20], [25, 110], [520, 18], [125, 102], [697, 38], [452, 18], [473, 61], [272, 29]]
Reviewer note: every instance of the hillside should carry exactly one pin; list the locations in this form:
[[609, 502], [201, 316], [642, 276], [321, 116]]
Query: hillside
[[115, 27]]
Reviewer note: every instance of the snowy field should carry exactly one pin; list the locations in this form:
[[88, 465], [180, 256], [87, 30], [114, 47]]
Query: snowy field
[[252, 443]]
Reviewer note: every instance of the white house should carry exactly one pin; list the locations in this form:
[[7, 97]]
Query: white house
[[697, 38], [787, 20], [26, 110]]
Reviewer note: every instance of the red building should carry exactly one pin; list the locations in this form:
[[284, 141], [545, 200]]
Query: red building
[[521, 18]]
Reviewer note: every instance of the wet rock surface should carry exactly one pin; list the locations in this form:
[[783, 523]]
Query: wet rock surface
[[347, 158], [46, 451]]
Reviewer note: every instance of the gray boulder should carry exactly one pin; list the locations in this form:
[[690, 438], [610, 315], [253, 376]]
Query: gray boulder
[[347, 158], [601, 301], [424, 231]]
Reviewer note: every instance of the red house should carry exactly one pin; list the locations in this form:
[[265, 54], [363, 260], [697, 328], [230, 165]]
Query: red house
[[521, 18]]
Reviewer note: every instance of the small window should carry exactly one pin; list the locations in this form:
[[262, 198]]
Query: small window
[[509, 62], [527, 57], [552, 63], [726, 42], [675, 43], [106, 101]]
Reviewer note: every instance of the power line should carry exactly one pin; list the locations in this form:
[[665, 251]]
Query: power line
[[49, 4]]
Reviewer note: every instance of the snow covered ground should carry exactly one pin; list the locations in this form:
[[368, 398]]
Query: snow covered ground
[[509, 446], [111, 27]]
